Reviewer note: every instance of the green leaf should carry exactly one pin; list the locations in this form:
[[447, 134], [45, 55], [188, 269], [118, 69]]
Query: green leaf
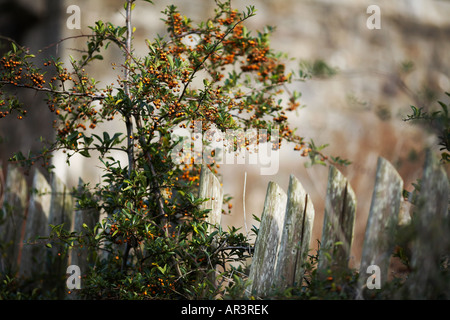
[[163, 270], [87, 140], [169, 57], [85, 153]]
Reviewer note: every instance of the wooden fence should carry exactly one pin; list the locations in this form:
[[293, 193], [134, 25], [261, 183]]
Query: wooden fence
[[26, 215], [282, 245]]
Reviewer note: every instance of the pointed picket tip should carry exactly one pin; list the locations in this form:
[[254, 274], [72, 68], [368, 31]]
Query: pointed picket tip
[[339, 221], [379, 239], [296, 237]]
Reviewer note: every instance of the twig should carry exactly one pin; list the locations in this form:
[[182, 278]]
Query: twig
[[67, 38], [13, 41], [64, 92], [243, 248]]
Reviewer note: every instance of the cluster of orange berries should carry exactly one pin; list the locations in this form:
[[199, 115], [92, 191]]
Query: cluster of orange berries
[[9, 63], [229, 59], [255, 59], [238, 31], [292, 105], [177, 50], [281, 118], [176, 22], [13, 73], [113, 228], [190, 173], [146, 80], [162, 286], [10, 71], [157, 103], [37, 79], [165, 77], [185, 75], [219, 35], [306, 152], [64, 76], [127, 237], [172, 83], [176, 109], [163, 56], [230, 19], [63, 131], [286, 131], [3, 113]]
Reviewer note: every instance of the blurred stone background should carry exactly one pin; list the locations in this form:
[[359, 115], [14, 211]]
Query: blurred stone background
[[358, 110]]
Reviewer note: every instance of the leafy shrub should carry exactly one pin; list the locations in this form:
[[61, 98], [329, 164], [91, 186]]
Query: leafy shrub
[[154, 241], [438, 122]]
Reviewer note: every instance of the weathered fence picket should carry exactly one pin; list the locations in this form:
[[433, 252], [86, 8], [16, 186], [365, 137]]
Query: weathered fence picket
[[14, 207], [33, 252], [27, 216], [82, 221], [210, 189], [61, 212], [432, 229], [296, 237], [338, 224], [62, 205], [262, 271], [379, 240]]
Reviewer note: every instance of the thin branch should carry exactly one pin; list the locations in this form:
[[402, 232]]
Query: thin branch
[[48, 90], [67, 38], [128, 120], [13, 41], [249, 249]]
